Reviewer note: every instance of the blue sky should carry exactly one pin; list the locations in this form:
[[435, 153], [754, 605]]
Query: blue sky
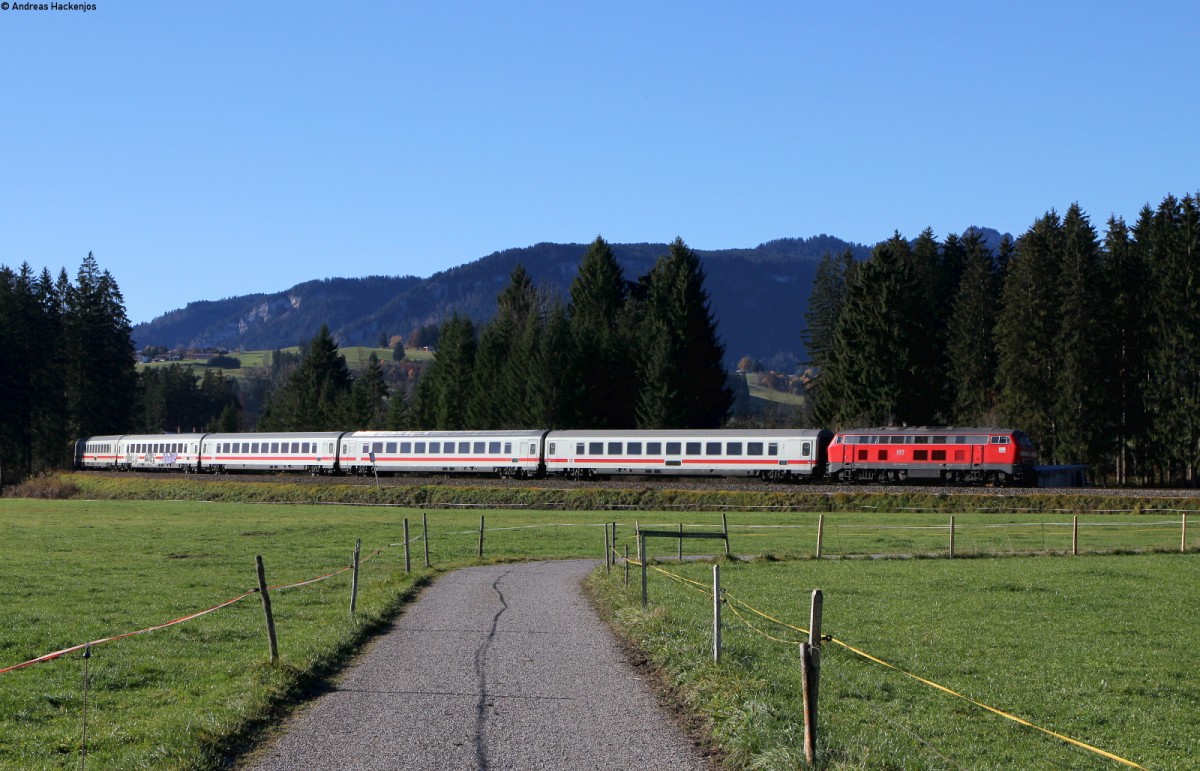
[[204, 150]]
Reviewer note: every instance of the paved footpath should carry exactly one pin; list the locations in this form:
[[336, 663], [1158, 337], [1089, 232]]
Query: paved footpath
[[497, 667]]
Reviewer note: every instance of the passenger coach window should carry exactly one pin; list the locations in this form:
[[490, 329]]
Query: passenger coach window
[[733, 448], [275, 448], [435, 447], [595, 448], [508, 448], [296, 448], [579, 448], [552, 448], [614, 448], [634, 448], [479, 447], [464, 447], [254, 448], [391, 447], [773, 448], [673, 448], [712, 448], [692, 448], [420, 448], [754, 448], [654, 448], [494, 448], [806, 449]]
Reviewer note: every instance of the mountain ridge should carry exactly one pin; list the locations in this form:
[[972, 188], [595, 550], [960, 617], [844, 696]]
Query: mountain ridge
[[758, 296]]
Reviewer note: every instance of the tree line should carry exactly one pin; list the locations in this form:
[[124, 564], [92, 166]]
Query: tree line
[[619, 354], [1087, 343]]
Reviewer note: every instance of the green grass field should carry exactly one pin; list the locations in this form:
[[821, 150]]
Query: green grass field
[[188, 696], [356, 359], [1103, 649]]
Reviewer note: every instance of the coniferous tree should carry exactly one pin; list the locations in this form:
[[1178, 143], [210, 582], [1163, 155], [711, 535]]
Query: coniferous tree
[[1027, 363], [549, 404], [600, 365], [821, 319], [1127, 278], [1081, 390], [498, 388], [970, 347], [312, 399], [445, 389], [100, 375], [874, 375], [678, 325], [1174, 389], [367, 407]]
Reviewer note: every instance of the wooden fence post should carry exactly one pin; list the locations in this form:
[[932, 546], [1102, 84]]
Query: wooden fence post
[[952, 537], [626, 561], [681, 542], [810, 656], [642, 552], [407, 554], [607, 564], [717, 613], [725, 530], [266, 603], [820, 533], [425, 535], [481, 536], [1183, 535], [1074, 536], [354, 576]]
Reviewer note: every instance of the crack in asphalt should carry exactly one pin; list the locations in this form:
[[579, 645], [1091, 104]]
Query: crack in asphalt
[[481, 756]]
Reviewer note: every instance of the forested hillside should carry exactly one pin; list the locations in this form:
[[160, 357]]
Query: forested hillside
[[758, 295]]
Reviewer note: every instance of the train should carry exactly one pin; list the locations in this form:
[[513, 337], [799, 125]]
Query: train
[[947, 455]]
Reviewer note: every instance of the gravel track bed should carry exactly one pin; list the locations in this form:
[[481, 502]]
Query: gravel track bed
[[715, 484]]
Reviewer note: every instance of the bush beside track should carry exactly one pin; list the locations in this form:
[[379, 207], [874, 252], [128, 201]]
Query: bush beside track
[[462, 493]]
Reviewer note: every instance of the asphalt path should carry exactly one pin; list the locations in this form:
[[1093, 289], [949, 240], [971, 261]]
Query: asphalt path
[[496, 667]]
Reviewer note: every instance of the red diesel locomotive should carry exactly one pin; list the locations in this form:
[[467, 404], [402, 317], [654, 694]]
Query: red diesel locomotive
[[947, 454]]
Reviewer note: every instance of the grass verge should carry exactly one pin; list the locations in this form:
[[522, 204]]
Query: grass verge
[[1094, 648]]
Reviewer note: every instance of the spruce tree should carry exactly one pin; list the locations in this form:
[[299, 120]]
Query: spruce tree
[[312, 399], [970, 347], [1081, 389], [445, 388], [600, 363], [821, 319], [367, 407], [1027, 363], [679, 326], [1127, 278]]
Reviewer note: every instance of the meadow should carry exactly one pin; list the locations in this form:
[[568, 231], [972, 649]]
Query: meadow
[[196, 694]]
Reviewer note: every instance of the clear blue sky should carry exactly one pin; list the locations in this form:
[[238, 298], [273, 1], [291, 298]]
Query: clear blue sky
[[204, 150]]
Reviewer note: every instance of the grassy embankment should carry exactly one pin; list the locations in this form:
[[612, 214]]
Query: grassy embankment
[[186, 696]]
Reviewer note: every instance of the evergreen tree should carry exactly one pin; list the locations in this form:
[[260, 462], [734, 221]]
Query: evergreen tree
[[549, 404], [100, 375], [821, 319], [970, 348], [874, 376], [367, 408], [600, 365], [444, 391], [1027, 363], [312, 398], [679, 327], [498, 387], [1127, 279], [1081, 387], [1174, 390]]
